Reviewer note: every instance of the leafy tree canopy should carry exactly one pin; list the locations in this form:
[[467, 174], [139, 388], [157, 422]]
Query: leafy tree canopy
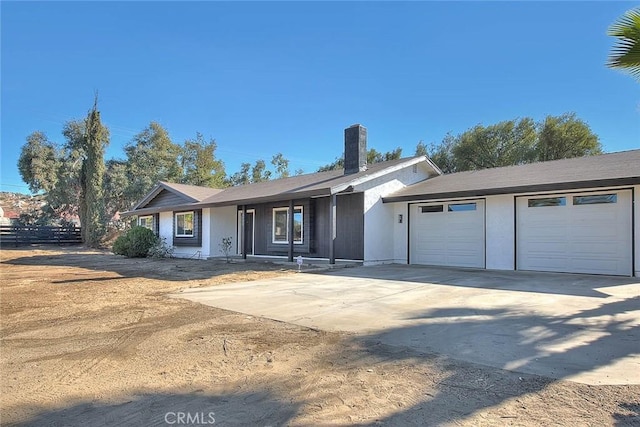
[[373, 156], [514, 142], [200, 165]]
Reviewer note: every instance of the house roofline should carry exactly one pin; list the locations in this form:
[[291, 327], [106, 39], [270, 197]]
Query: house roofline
[[346, 187], [559, 186], [409, 162], [157, 189]]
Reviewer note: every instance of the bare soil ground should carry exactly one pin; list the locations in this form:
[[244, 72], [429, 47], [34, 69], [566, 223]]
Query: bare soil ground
[[90, 338]]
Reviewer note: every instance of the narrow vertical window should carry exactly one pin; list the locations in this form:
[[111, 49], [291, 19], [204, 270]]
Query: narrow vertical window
[[280, 226]]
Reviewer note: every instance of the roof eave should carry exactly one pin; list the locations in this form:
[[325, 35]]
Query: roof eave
[[149, 211], [558, 186], [266, 199]]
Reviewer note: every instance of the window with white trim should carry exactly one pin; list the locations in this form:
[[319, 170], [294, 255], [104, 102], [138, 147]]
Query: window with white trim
[[280, 232], [146, 221], [184, 224]]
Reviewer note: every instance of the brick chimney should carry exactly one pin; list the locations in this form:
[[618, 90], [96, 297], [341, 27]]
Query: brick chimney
[[355, 149]]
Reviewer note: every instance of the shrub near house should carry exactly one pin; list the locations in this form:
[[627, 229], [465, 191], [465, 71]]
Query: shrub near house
[[135, 243]]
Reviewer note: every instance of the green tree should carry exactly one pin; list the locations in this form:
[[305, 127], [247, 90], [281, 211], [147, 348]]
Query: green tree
[[421, 149], [373, 156], [92, 208], [151, 157], [281, 164], [241, 177], [64, 198], [565, 136], [625, 55], [115, 187], [38, 163], [200, 164], [259, 172], [338, 163], [506, 143], [442, 154]]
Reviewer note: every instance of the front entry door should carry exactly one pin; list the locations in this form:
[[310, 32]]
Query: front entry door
[[249, 231]]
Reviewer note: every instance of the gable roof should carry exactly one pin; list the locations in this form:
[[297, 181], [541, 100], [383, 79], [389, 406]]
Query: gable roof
[[621, 168], [295, 187], [188, 193], [309, 185]]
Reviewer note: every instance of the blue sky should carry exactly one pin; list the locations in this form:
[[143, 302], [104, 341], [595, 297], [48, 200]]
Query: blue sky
[[288, 77]]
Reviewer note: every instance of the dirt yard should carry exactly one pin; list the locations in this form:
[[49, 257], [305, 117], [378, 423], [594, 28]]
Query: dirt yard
[[89, 338]]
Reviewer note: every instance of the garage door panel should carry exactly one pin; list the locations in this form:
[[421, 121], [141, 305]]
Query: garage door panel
[[595, 266], [576, 238], [596, 248], [547, 262], [450, 238]]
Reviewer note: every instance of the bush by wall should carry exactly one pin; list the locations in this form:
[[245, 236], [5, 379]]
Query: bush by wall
[[135, 243]]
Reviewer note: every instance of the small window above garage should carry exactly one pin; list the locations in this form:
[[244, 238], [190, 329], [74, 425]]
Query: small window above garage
[[546, 202], [595, 199], [431, 209], [461, 207]]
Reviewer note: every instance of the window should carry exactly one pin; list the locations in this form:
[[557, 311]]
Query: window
[[146, 221], [547, 201], [429, 209], [281, 225], [595, 199], [461, 207], [184, 224]]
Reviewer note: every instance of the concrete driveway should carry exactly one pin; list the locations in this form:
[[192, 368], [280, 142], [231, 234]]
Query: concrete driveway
[[577, 327]]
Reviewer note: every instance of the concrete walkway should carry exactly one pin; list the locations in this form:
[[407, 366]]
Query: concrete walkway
[[577, 327]]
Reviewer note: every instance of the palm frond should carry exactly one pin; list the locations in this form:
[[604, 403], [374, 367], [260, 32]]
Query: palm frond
[[625, 54]]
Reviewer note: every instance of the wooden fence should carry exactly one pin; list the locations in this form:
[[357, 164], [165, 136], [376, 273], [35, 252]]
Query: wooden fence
[[28, 235]]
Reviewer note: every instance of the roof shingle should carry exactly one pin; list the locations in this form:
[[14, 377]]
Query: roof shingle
[[621, 168]]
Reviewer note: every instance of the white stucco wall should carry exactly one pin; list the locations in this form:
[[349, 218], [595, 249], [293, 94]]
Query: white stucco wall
[[379, 218], [400, 233], [166, 227], [166, 232], [223, 224], [499, 229]]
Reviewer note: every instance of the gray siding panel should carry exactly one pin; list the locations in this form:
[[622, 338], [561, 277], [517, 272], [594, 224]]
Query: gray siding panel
[[321, 232], [350, 226], [166, 198], [264, 227]]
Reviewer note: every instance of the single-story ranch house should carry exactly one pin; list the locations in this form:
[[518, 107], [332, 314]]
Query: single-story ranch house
[[577, 215]]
